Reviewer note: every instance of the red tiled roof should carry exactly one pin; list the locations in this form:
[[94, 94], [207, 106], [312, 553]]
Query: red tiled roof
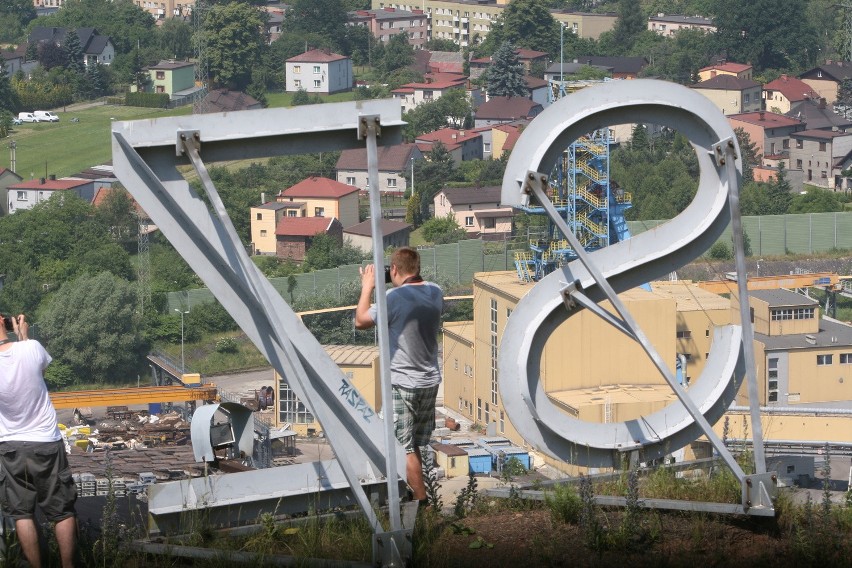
[[316, 56], [50, 184], [391, 158], [506, 108], [792, 88], [103, 192], [765, 119], [303, 226], [433, 86], [730, 67], [447, 136], [513, 131], [319, 187], [824, 134]]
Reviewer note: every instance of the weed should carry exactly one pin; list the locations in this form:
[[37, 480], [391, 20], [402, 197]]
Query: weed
[[467, 497], [564, 504], [433, 488], [593, 530]]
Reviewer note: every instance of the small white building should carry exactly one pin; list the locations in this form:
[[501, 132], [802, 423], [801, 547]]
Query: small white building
[[318, 71], [28, 194]]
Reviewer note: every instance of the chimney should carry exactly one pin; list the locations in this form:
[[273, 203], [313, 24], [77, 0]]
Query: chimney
[[783, 76], [262, 197], [41, 181], [52, 177], [454, 136], [461, 133], [762, 115], [822, 102]]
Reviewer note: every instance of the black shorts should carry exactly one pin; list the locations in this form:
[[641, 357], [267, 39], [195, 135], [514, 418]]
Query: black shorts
[[36, 473]]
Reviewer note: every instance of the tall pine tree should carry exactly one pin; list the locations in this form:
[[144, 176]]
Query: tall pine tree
[[505, 77], [74, 52]]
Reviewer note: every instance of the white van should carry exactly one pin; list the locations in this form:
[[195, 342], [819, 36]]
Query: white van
[[27, 117], [45, 116]]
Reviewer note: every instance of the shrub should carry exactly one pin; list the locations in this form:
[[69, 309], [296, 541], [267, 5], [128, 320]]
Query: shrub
[[147, 100], [564, 504]]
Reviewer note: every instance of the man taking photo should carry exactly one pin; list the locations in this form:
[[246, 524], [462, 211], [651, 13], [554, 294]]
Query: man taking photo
[[414, 320], [33, 466]]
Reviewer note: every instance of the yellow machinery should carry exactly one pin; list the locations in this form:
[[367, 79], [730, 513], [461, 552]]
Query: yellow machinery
[[128, 396]]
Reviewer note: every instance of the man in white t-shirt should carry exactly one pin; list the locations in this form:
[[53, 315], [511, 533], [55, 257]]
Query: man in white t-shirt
[[32, 454], [414, 321]]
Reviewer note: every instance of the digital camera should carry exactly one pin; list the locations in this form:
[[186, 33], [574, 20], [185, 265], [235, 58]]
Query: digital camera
[[387, 274], [7, 323]]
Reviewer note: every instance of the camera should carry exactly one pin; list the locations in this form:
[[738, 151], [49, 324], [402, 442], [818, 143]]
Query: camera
[[387, 274], [7, 323]]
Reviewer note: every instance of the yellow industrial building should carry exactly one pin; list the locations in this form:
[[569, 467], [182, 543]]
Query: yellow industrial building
[[593, 372]]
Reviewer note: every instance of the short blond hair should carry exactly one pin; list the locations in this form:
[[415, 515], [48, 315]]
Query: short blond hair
[[407, 261]]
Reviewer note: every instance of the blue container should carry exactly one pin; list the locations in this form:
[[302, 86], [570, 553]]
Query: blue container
[[155, 407]]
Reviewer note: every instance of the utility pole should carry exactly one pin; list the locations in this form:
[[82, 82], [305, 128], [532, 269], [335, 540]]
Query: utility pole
[[202, 80], [13, 159]]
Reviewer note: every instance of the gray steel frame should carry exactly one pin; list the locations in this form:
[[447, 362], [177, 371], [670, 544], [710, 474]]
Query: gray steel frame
[[601, 275], [146, 155]]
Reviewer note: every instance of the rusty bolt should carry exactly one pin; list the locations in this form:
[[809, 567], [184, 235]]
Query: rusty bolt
[[532, 176], [196, 135], [774, 479], [183, 136], [748, 503], [730, 143], [722, 162], [748, 482]]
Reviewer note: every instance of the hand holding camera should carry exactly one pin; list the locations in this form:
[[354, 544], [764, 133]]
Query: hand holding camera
[[17, 325]]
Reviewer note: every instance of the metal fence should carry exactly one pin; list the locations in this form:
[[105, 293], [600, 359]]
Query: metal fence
[[455, 264]]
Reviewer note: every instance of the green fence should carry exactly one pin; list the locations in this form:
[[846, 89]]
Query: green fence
[[455, 264]]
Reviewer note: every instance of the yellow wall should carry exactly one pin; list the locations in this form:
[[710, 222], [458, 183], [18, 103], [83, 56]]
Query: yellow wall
[[454, 466], [345, 208], [264, 244], [825, 87]]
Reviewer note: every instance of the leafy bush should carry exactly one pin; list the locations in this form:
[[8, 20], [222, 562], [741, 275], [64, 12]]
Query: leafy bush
[[226, 345], [147, 100], [564, 504], [720, 251]]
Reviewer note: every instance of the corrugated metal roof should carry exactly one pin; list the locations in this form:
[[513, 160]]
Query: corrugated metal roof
[[781, 297], [352, 355]]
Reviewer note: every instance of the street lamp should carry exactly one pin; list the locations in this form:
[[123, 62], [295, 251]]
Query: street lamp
[[561, 59], [182, 361]]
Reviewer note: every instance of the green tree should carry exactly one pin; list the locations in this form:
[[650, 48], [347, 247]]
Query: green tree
[[787, 40], [629, 25], [74, 52], [815, 200], [678, 58], [505, 76], [524, 23], [439, 44], [754, 199], [779, 192], [443, 230], [50, 55], [326, 18], [97, 80], [425, 117], [398, 54], [14, 16], [234, 43], [6, 122], [126, 24], [328, 252], [748, 151], [455, 106], [844, 92], [91, 326], [175, 38], [8, 96]]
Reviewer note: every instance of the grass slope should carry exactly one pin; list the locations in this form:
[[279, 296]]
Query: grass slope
[[65, 148]]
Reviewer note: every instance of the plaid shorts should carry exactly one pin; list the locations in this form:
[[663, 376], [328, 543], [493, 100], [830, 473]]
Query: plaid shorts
[[36, 472], [414, 415]]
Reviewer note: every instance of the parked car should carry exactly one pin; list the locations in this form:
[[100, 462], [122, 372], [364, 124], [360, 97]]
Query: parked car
[[16, 121], [45, 116], [27, 117]]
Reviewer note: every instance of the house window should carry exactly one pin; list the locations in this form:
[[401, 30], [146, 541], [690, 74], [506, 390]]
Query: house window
[[319, 211], [685, 334], [350, 180], [493, 352], [427, 95], [259, 217], [161, 89], [479, 409], [823, 360], [316, 69], [161, 75], [263, 232], [316, 83], [22, 196], [292, 213], [747, 98], [391, 182], [297, 68], [452, 462], [822, 146], [292, 409], [798, 164], [785, 143], [502, 422], [468, 221], [486, 146], [487, 413], [823, 174], [846, 358], [298, 84], [489, 223], [800, 144]]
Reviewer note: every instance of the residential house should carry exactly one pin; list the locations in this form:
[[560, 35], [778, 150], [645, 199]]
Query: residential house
[[818, 115], [28, 194], [295, 235], [730, 94], [566, 71], [477, 210], [264, 223], [318, 71], [387, 22], [539, 90], [585, 24], [622, 67], [162, 10], [821, 155], [499, 110], [394, 163], [173, 78], [526, 57], [781, 94], [13, 60], [504, 137], [668, 25], [825, 79], [461, 144], [394, 234], [412, 95], [323, 197], [7, 178], [738, 70], [96, 48], [445, 62], [801, 358], [226, 100], [769, 132]]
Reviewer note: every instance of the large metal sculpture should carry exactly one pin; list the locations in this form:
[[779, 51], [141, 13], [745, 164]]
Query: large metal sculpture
[[602, 274], [147, 154]]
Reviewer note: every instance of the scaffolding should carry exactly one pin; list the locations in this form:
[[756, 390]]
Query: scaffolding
[[592, 206]]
